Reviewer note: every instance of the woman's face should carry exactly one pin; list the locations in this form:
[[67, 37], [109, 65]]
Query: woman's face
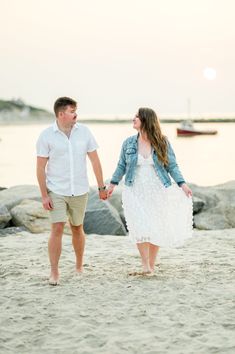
[[136, 122]]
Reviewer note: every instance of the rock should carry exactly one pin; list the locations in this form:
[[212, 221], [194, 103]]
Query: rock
[[11, 231], [216, 219], [30, 214], [116, 202], [5, 216], [218, 211], [101, 217], [14, 195], [197, 205]]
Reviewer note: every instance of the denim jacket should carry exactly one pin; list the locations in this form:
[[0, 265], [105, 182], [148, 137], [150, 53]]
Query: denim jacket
[[128, 161]]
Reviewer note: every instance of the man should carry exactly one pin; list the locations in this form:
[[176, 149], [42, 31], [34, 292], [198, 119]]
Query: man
[[62, 176]]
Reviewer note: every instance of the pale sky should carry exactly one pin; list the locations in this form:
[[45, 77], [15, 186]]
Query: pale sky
[[114, 56]]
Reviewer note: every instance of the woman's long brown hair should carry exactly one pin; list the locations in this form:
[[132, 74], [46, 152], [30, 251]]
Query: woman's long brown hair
[[151, 126]]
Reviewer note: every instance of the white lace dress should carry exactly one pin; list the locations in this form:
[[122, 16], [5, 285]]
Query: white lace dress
[[154, 213]]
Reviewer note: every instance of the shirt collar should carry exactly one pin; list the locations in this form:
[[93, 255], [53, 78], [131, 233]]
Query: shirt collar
[[56, 128]]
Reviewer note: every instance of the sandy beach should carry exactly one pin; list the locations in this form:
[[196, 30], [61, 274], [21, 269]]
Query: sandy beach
[[187, 307]]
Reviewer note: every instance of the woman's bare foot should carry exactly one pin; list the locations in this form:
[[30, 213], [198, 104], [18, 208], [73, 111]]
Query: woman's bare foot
[[150, 273], [135, 273]]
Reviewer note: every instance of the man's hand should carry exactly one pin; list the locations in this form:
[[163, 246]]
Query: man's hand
[[47, 203], [103, 194]]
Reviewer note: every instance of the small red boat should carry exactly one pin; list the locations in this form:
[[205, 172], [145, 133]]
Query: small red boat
[[187, 129]]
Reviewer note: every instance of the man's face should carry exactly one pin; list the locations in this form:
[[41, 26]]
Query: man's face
[[69, 115]]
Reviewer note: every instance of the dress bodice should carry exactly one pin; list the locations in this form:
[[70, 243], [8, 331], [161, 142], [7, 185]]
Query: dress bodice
[[142, 161]]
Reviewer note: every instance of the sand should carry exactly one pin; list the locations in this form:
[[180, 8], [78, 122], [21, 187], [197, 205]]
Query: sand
[[188, 307]]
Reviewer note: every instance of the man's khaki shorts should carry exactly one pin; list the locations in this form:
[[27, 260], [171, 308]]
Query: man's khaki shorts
[[64, 208]]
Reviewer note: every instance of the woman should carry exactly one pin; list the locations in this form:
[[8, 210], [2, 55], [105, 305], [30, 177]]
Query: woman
[[158, 212]]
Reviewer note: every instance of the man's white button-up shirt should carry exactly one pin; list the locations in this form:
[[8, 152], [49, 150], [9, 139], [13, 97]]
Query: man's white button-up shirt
[[66, 170]]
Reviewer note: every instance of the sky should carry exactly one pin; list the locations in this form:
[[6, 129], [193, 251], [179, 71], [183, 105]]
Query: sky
[[116, 56]]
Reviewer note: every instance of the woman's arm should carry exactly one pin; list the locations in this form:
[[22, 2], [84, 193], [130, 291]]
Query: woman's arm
[[121, 167], [173, 169]]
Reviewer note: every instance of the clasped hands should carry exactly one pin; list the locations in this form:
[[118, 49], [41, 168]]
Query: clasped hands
[[106, 193]]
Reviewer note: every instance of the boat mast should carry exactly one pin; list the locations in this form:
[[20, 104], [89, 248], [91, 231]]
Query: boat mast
[[189, 108]]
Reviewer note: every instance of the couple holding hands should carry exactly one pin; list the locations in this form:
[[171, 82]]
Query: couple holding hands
[[158, 211]]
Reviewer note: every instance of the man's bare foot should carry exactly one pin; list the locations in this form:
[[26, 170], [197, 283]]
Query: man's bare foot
[[80, 270], [54, 278]]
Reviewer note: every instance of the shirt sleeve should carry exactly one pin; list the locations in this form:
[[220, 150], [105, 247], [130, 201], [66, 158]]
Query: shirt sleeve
[[42, 146], [92, 144]]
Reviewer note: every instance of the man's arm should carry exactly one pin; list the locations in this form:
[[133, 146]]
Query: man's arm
[[96, 165], [41, 176]]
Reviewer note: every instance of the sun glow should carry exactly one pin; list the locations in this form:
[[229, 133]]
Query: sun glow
[[209, 73]]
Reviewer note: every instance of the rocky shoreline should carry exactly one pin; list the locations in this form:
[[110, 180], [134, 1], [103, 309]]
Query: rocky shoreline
[[21, 209]]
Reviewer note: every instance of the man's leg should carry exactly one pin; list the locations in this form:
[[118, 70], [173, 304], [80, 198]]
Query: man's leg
[[78, 239], [54, 250], [76, 212]]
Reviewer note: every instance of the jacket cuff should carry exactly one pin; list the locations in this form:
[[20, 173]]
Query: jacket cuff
[[180, 183], [113, 182]]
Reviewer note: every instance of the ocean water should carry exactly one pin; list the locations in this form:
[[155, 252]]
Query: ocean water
[[203, 160]]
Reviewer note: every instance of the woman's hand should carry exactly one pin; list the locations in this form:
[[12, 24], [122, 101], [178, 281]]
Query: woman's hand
[[187, 190], [110, 190]]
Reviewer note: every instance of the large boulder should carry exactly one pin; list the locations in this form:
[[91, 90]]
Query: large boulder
[[218, 211], [5, 216], [31, 215], [12, 196], [220, 217], [198, 204], [116, 202], [12, 230], [101, 217]]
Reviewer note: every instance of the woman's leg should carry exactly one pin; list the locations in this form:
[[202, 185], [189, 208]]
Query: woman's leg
[[153, 251], [144, 253]]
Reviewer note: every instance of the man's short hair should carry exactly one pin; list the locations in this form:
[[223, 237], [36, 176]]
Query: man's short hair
[[62, 102]]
